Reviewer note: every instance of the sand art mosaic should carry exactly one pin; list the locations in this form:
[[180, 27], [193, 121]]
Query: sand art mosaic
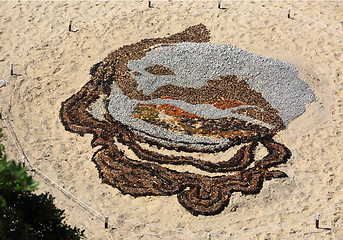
[[186, 94]]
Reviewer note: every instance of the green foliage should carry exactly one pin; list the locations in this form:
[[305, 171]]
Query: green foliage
[[24, 214], [13, 176]]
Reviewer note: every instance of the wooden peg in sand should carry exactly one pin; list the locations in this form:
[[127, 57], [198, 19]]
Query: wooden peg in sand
[[106, 222], [23, 160], [289, 13], [70, 22], [317, 221], [150, 6], [11, 69]]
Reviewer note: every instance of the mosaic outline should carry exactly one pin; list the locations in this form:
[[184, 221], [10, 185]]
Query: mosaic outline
[[90, 111]]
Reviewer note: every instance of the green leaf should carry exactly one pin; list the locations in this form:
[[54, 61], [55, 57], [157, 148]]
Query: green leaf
[[26, 215]]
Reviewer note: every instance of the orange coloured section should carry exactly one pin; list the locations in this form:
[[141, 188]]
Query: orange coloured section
[[221, 104], [168, 97], [176, 111]]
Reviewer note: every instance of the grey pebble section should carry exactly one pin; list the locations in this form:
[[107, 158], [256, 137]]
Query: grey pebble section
[[98, 109], [121, 108], [195, 63]]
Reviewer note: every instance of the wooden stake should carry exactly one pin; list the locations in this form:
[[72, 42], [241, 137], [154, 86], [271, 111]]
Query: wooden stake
[[106, 222], [11, 69], [70, 21], [219, 1], [317, 221], [23, 159], [289, 13], [150, 6]]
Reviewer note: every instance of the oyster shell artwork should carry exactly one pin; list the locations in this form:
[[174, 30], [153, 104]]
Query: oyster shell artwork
[[185, 94]]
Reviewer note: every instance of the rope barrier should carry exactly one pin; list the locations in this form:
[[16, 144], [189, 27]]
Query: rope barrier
[[77, 199], [15, 143], [314, 216], [318, 22], [311, 19], [22, 156], [106, 218], [332, 207], [262, 227], [219, 2], [141, 233], [163, 228]]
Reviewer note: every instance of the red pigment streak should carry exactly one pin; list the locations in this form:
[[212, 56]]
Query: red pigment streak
[[221, 104], [176, 112], [168, 97]]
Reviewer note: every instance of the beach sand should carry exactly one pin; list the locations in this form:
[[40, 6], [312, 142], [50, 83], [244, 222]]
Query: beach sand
[[52, 63]]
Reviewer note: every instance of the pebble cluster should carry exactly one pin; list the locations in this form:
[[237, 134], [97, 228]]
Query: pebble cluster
[[186, 94], [193, 64]]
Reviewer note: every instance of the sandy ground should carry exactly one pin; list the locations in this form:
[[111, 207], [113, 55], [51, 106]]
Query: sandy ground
[[52, 63]]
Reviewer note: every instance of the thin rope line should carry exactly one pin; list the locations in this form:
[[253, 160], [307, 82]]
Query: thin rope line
[[146, 224], [311, 19], [138, 233], [2, 95], [22, 155], [45, 176], [285, 1], [15, 143], [121, 219], [61, 188], [266, 226], [140, 223], [318, 22], [332, 207], [150, 225], [80, 201]]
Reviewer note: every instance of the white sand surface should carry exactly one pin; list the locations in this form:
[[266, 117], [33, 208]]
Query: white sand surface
[[52, 63]]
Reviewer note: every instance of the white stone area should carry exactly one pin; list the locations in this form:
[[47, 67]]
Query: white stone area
[[195, 63]]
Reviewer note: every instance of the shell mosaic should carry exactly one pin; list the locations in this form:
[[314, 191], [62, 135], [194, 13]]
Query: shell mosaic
[[186, 94]]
